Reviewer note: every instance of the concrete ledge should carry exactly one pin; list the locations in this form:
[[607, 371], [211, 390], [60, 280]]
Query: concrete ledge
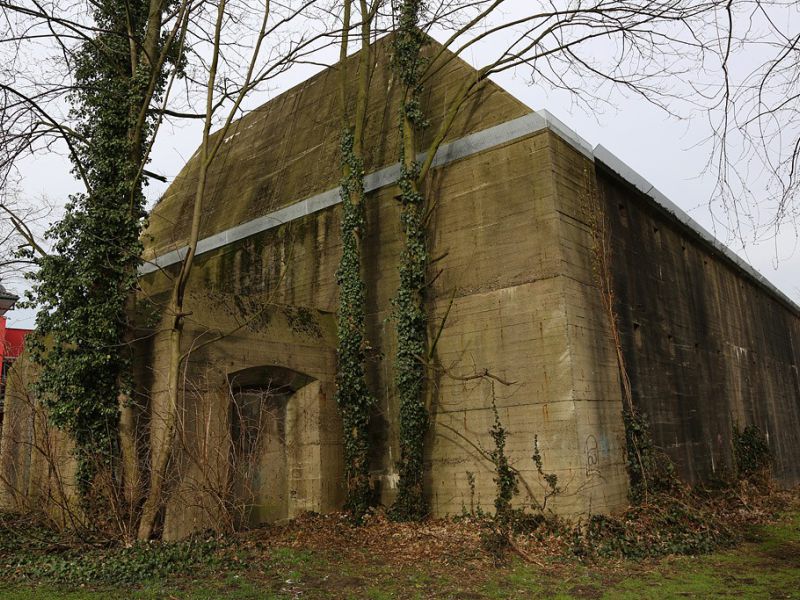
[[465, 147], [447, 153]]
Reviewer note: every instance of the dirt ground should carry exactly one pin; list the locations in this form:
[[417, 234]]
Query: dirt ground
[[318, 557]]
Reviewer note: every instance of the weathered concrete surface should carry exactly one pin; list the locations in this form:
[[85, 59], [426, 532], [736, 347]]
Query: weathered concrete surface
[[499, 224], [496, 233], [266, 349], [288, 149], [707, 347]]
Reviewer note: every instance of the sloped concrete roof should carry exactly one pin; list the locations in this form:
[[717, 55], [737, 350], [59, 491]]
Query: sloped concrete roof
[[281, 162], [288, 149]]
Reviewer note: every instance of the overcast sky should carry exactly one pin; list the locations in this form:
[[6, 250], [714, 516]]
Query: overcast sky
[[668, 152]]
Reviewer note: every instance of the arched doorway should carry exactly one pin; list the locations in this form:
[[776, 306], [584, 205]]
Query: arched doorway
[[285, 458]]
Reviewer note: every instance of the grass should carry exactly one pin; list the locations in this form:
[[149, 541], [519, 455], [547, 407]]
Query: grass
[[765, 565]]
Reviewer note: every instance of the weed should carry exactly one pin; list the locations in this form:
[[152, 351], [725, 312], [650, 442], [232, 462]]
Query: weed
[[45, 556], [751, 454]]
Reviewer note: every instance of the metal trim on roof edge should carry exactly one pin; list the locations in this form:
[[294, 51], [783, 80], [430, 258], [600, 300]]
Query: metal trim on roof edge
[[616, 165], [465, 147], [447, 153]]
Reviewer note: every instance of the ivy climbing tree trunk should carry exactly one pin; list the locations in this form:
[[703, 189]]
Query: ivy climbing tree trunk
[[83, 286], [414, 353], [410, 301], [353, 396]]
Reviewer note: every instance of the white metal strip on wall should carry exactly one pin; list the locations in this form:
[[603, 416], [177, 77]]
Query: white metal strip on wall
[[463, 148], [447, 153]]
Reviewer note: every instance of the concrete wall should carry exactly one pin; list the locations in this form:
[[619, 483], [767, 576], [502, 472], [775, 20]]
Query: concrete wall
[[206, 487], [504, 249], [496, 236], [707, 347], [288, 149], [518, 312], [37, 466]]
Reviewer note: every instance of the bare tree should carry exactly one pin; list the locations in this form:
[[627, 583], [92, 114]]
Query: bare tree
[[755, 120], [587, 49], [269, 55]]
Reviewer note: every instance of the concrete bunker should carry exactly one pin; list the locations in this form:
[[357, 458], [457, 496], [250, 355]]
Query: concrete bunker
[[708, 343], [515, 286]]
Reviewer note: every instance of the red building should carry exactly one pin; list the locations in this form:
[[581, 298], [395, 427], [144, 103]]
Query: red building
[[11, 340]]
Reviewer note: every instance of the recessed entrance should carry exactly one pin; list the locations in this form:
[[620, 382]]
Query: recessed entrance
[[278, 456]]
